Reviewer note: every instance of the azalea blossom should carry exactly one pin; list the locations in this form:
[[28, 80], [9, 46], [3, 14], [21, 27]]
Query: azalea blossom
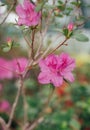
[[54, 69], [27, 14]]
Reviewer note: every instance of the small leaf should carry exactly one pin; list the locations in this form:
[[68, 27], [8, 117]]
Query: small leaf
[[81, 37], [61, 7], [60, 2], [65, 32], [6, 49], [16, 45], [75, 124], [74, 3], [39, 7]]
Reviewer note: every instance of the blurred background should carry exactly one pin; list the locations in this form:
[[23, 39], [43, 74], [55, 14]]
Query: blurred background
[[69, 108]]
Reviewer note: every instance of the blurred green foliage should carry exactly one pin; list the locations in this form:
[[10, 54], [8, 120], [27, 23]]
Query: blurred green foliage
[[67, 111]]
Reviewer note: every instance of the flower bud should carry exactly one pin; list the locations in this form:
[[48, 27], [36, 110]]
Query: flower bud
[[70, 26], [9, 41]]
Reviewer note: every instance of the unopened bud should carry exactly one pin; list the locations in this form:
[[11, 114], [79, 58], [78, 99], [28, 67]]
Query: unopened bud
[[70, 26], [9, 41]]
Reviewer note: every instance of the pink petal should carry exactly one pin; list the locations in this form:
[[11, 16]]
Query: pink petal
[[43, 78], [69, 76], [57, 81], [20, 11]]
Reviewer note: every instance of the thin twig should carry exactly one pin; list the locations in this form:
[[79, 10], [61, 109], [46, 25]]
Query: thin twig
[[47, 22], [42, 34], [12, 6], [38, 121], [44, 54], [15, 103], [58, 46], [28, 43], [32, 44], [38, 52], [3, 124], [24, 105]]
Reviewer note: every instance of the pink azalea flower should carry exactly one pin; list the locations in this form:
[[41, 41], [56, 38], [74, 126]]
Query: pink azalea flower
[[27, 14], [66, 66], [56, 68], [4, 106], [49, 72], [5, 69], [19, 65], [70, 26]]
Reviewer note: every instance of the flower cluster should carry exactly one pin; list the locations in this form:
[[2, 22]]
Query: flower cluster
[[54, 69], [27, 14]]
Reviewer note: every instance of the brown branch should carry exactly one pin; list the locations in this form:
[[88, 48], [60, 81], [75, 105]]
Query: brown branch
[[27, 41], [15, 103], [38, 52], [32, 44], [47, 22], [58, 46], [24, 105], [86, 20], [44, 54], [12, 6], [3, 124], [38, 121]]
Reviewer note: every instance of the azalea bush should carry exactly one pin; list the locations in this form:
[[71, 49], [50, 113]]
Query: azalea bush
[[34, 75]]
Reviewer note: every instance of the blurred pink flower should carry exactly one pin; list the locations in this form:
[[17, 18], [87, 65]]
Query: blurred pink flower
[[5, 69], [55, 68], [4, 106], [27, 14], [70, 26], [19, 65]]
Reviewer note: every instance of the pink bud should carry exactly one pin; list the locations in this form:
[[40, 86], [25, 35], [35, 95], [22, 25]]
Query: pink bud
[[9, 41], [70, 26]]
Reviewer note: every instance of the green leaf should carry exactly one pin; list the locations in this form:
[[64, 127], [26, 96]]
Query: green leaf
[[60, 2], [81, 37], [39, 7], [16, 45], [65, 32], [6, 49], [74, 3], [61, 7], [75, 124]]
